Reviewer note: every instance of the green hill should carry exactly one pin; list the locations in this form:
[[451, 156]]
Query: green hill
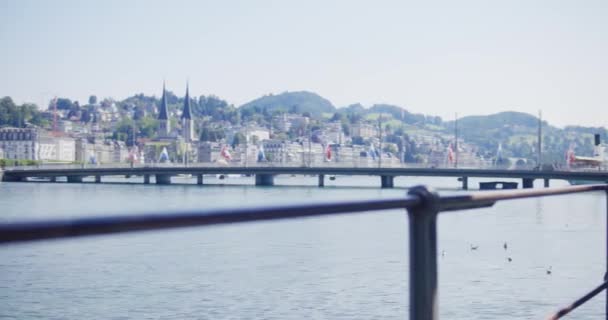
[[294, 102], [498, 120], [397, 113]]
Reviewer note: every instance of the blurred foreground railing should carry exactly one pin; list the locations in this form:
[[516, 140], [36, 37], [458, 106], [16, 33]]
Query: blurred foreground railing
[[422, 205]]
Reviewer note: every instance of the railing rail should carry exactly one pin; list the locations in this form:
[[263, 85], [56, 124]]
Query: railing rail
[[318, 164], [422, 205]]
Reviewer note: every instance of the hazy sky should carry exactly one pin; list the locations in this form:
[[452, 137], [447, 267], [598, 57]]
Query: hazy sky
[[439, 58]]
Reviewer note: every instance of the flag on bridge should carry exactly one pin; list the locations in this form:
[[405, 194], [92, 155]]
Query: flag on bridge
[[225, 153]]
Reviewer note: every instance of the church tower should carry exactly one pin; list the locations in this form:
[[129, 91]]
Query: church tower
[[163, 117], [187, 125]]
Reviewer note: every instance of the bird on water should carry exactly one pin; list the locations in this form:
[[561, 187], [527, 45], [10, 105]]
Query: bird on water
[[505, 245], [474, 247], [549, 270]]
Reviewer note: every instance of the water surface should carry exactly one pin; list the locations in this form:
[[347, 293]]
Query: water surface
[[341, 267]]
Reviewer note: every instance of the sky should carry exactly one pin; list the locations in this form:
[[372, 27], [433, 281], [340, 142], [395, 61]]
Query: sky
[[433, 57]]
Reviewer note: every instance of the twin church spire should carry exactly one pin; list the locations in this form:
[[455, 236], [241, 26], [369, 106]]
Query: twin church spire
[[165, 124]]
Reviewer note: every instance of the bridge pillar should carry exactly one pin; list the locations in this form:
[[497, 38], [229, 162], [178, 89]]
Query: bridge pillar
[[264, 180], [163, 179], [321, 180], [146, 179], [199, 179], [74, 179], [465, 183], [546, 183], [387, 181], [98, 179], [528, 183]]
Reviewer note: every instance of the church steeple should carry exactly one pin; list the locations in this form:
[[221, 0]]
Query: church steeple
[[187, 125], [187, 114], [162, 113], [163, 116]]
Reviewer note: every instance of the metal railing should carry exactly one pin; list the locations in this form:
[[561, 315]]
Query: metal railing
[[422, 205], [318, 164]]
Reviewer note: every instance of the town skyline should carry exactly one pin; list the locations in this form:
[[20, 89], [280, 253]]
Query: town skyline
[[546, 116]]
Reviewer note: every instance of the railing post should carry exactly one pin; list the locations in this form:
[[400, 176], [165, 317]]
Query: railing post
[[423, 254]]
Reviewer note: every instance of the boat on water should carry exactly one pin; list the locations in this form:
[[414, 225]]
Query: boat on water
[[597, 162]]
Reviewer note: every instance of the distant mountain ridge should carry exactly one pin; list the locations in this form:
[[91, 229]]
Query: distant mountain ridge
[[297, 102], [497, 120]]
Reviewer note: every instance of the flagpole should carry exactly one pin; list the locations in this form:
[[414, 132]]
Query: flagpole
[[540, 139], [380, 142], [456, 140]]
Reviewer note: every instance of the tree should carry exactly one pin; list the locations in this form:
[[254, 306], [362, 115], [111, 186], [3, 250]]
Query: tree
[[124, 131], [346, 128], [390, 148], [18, 116], [8, 112], [147, 126], [62, 104], [85, 116], [238, 139], [357, 140], [205, 135], [93, 99], [337, 117]]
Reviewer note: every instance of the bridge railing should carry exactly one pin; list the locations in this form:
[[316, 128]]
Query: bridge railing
[[328, 164], [222, 165], [422, 205]]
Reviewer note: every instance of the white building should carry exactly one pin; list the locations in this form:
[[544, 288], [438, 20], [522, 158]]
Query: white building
[[283, 151], [363, 130], [36, 144], [18, 143], [285, 121], [258, 132], [333, 133]]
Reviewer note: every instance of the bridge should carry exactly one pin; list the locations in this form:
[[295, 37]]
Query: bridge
[[264, 174]]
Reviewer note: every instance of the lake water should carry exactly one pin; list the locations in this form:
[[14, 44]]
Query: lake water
[[340, 267]]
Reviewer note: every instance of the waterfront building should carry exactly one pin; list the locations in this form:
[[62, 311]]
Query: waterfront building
[[209, 151], [19, 143], [275, 150], [153, 149], [36, 144], [248, 154], [98, 151]]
